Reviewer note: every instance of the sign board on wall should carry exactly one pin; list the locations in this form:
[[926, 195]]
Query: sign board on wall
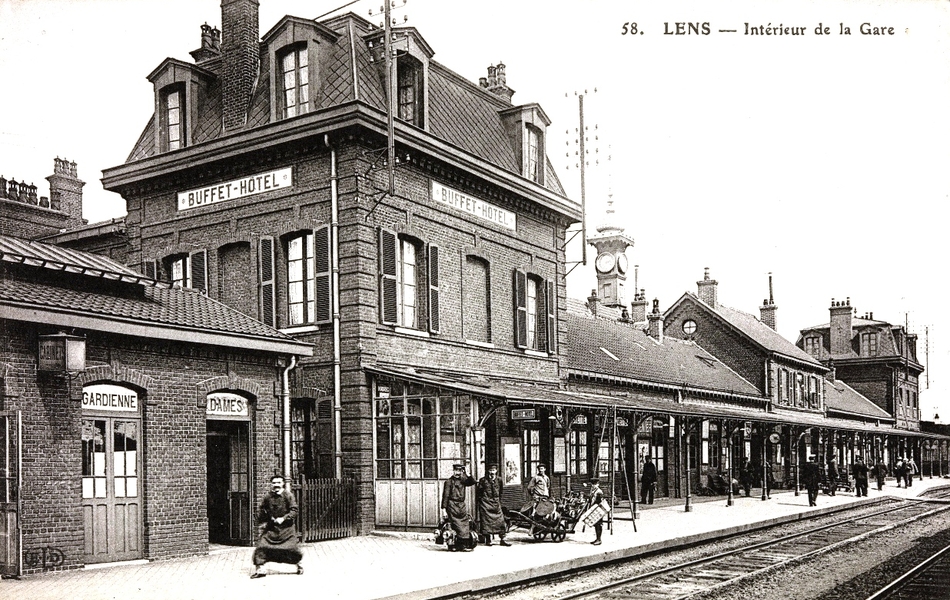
[[473, 206], [237, 188], [106, 396], [521, 414], [226, 404]]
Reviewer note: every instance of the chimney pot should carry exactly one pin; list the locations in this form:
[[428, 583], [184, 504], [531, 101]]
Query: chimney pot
[[655, 322]]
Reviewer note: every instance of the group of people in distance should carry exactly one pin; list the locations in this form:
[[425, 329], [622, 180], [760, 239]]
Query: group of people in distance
[[905, 469]]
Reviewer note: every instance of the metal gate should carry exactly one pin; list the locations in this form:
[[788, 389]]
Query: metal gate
[[11, 461]]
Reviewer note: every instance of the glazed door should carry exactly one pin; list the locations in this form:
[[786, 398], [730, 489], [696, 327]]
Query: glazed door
[[10, 461], [111, 495]]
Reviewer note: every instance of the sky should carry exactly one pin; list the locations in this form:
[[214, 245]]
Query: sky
[[821, 159]]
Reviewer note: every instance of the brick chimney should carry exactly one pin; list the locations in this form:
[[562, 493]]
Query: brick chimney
[[497, 82], [65, 192], [707, 289], [241, 54], [638, 308], [655, 329], [592, 302], [210, 45], [840, 326], [768, 308]]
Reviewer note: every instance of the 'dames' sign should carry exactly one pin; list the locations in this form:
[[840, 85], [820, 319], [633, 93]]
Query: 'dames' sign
[[238, 188]]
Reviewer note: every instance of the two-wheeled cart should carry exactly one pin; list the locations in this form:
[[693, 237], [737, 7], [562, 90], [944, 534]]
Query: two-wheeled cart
[[546, 517]]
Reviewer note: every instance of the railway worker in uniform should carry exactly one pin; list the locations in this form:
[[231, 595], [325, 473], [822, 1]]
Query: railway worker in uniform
[[538, 487], [453, 506], [278, 534], [747, 476], [899, 470], [594, 498], [648, 481], [860, 471], [879, 470], [491, 520], [811, 476], [832, 475]]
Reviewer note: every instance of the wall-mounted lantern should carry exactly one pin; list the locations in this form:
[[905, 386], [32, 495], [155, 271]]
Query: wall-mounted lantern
[[61, 352]]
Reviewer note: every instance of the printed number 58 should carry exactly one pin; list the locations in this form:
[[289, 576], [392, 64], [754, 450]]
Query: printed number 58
[[629, 28]]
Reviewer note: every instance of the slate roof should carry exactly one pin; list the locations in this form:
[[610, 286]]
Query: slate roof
[[756, 330], [886, 345], [610, 348], [136, 301], [842, 398], [460, 112]]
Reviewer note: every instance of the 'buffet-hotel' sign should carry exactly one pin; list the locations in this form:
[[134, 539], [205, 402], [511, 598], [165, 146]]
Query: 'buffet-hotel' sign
[[238, 188]]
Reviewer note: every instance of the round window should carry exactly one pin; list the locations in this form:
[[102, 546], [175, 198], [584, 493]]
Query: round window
[[689, 327]]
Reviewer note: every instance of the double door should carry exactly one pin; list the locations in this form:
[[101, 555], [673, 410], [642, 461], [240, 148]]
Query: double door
[[111, 491]]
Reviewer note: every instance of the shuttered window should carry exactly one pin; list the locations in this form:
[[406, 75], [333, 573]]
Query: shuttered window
[[433, 264], [265, 261], [308, 277], [535, 314], [199, 270], [409, 293], [521, 309], [388, 304]]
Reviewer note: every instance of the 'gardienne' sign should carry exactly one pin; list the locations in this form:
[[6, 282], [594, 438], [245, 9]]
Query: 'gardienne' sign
[[238, 188], [473, 206], [105, 396]]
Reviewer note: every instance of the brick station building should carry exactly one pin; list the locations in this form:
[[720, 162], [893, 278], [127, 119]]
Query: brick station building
[[261, 180], [120, 397]]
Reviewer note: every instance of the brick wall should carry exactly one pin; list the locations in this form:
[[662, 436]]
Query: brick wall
[[169, 379]]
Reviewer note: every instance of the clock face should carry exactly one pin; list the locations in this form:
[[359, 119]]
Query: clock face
[[605, 262], [622, 263]]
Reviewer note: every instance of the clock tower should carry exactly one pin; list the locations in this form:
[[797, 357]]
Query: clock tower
[[611, 263]]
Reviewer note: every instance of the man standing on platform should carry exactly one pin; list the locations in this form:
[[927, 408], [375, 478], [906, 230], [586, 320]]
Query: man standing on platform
[[880, 472], [491, 520], [810, 477], [910, 469], [453, 506], [747, 476], [832, 476], [860, 471], [278, 534], [648, 481]]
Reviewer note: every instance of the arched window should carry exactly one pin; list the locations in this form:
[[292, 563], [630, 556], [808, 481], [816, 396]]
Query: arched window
[[476, 316]]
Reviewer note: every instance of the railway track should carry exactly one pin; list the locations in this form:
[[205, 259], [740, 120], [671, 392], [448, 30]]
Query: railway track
[[691, 578], [929, 580]]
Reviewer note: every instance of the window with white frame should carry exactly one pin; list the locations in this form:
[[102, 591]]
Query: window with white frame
[[172, 118], [308, 277], [534, 161], [294, 82], [535, 323], [869, 343], [578, 452], [813, 345], [409, 282]]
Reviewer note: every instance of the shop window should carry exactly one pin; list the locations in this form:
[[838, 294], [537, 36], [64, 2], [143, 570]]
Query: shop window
[[308, 277], [869, 344], [409, 282], [579, 450], [535, 324], [692, 446], [294, 87], [534, 159], [531, 446], [311, 438], [172, 118], [409, 92], [187, 270], [420, 434], [476, 315], [715, 447], [658, 443]]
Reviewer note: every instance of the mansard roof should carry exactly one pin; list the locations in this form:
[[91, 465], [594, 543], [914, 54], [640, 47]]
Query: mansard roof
[[460, 112], [842, 398]]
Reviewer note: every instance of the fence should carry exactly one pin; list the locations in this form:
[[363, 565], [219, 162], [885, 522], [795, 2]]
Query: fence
[[327, 509]]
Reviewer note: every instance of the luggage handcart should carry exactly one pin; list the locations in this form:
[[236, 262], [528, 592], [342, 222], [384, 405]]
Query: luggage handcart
[[548, 517]]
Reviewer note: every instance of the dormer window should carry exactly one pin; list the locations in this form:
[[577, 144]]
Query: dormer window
[[869, 344], [409, 91], [173, 118], [812, 345], [295, 82], [534, 169]]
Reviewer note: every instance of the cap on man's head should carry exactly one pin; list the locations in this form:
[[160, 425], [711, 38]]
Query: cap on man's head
[[594, 480], [492, 466], [458, 466]]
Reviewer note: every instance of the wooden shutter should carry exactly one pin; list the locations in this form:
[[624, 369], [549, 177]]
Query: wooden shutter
[[388, 307], [520, 293], [550, 307], [322, 275], [265, 271], [198, 263], [433, 264], [150, 269]]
